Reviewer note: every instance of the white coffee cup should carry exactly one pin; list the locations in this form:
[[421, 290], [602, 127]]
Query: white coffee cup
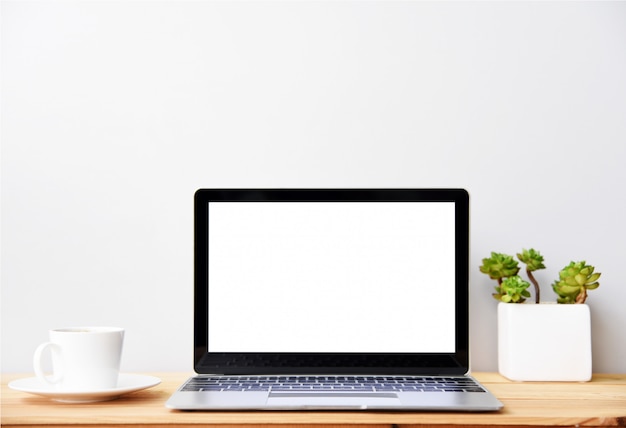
[[83, 358]]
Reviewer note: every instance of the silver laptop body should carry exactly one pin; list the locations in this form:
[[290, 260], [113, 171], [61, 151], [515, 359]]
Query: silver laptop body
[[331, 299]]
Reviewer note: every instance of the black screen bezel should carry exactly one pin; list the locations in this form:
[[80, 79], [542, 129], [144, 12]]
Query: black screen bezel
[[296, 363]]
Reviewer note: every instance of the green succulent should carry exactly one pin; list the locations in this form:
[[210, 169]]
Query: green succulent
[[499, 266], [512, 290], [533, 261], [574, 281]]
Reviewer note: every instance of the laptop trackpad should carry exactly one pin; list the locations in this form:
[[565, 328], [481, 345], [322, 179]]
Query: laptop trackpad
[[338, 400]]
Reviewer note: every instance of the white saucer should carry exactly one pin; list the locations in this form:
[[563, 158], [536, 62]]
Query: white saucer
[[126, 383]]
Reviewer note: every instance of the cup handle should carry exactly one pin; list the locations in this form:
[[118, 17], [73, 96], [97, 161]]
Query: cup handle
[[38, 363]]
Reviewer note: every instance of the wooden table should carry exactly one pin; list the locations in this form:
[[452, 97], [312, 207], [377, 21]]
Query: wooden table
[[601, 402]]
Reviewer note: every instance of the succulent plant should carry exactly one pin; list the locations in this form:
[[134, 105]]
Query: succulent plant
[[512, 290], [574, 281], [499, 266], [571, 287], [533, 261]]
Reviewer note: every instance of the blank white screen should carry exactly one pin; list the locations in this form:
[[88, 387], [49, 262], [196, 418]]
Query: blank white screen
[[331, 277]]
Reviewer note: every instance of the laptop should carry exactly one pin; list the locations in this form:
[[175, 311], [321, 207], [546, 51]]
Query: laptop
[[331, 299]]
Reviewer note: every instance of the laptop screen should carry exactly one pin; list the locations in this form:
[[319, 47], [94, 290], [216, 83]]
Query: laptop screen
[[333, 272], [331, 277]]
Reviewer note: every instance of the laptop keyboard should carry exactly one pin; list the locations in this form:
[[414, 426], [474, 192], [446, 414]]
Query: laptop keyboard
[[332, 383]]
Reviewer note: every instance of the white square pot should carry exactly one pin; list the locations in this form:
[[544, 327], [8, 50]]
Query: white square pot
[[544, 342]]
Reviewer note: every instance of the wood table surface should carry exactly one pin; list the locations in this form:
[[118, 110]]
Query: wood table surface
[[600, 402]]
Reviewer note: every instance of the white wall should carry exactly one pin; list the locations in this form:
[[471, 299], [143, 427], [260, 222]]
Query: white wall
[[113, 113]]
